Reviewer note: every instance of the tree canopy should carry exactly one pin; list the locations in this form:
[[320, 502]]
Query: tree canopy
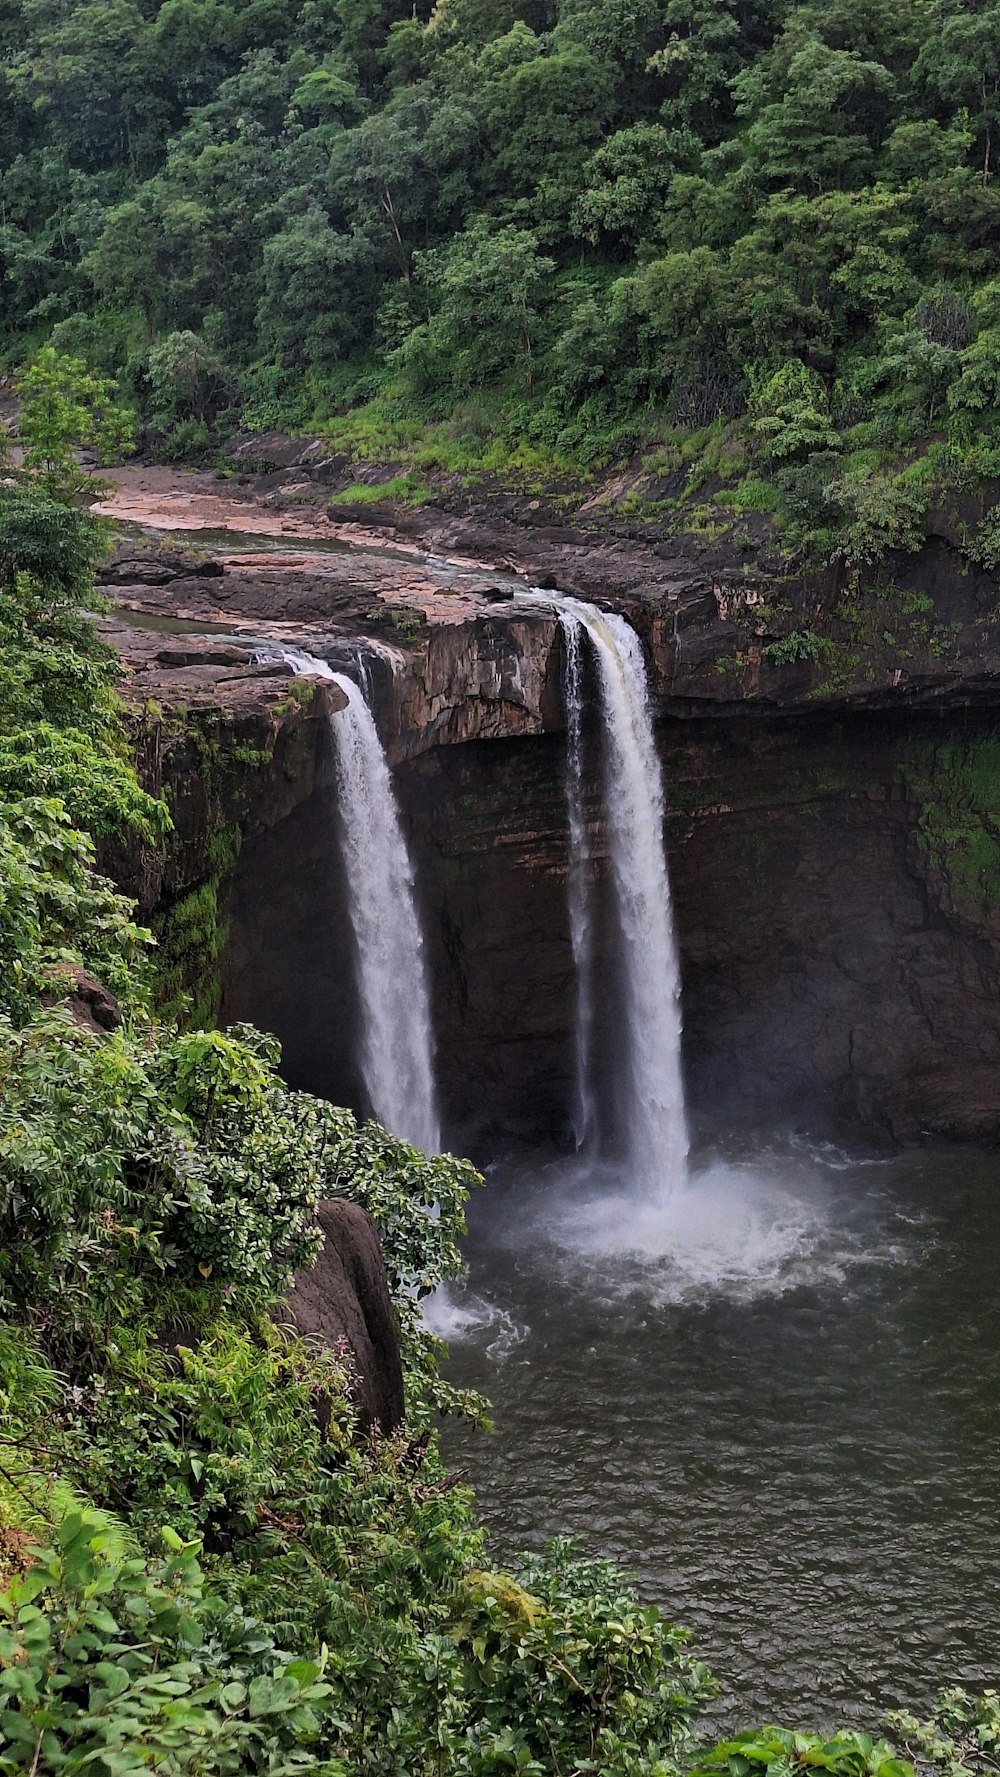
[[606, 215]]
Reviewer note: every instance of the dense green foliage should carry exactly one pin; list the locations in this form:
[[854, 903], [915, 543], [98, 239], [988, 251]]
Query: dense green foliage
[[534, 231]]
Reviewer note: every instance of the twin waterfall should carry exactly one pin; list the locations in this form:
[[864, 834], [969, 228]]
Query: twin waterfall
[[397, 1042]]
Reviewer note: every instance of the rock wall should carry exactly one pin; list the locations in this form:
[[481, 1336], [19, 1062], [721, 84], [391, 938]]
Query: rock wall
[[838, 927], [837, 896], [834, 830], [235, 749]]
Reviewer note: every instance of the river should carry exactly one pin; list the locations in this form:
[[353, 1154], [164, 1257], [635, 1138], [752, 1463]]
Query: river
[[791, 1436]]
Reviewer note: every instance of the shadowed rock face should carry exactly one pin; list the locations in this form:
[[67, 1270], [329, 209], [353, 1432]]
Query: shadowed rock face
[[342, 1301], [88, 1001], [289, 960], [835, 974], [840, 941]]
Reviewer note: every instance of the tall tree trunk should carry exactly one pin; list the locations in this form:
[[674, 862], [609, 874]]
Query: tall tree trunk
[[389, 208]]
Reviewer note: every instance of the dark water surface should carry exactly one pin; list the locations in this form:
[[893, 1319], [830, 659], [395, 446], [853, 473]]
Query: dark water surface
[[791, 1435]]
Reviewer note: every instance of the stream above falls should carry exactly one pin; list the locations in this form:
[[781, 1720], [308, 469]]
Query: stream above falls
[[792, 1437]]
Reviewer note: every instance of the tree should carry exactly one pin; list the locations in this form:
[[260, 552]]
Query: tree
[[697, 62], [541, 115], [64, 409], [127, 261], [683, 296], [790, 413], [490, 290], [92, 70], [315, 285], [627, 179], [961, 61], [187, 379], [824, 128], [378, 175]]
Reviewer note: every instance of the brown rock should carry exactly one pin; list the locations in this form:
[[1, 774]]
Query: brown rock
[[343, 1299], [90, 1003]]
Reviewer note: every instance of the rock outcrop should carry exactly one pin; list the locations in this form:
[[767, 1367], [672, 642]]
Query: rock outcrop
[[833, 827], [90, 1004], [342, 1302]]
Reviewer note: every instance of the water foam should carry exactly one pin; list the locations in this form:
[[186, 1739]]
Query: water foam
[[459, 1315], [760, 1226]]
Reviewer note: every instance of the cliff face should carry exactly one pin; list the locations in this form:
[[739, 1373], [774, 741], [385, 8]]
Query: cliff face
[[839, 942], [235, 749], [834, 826]]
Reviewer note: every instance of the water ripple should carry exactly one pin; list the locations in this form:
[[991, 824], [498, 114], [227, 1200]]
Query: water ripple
[[780, 1407]]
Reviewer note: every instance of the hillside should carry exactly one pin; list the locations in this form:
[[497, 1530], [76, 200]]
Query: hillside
[[748, 242]]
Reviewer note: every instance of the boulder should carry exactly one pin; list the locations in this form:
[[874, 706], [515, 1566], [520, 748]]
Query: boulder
[[89, 1001], [342, 1299]]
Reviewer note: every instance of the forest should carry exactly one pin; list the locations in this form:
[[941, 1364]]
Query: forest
[[740, 237]]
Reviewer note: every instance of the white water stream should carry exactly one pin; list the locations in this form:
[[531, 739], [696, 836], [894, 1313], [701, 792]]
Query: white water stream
[[652, 1082], [396, 1041], [580, 921]]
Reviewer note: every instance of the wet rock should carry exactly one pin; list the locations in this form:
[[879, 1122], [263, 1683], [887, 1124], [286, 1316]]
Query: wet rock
[[342, 1301], [157, 566], [267, 451], [201, 656]]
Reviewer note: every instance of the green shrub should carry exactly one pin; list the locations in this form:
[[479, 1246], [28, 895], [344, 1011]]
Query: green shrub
[[774, 1751], [984, 549], [961, 1736], [117, 1666], [789, 412]]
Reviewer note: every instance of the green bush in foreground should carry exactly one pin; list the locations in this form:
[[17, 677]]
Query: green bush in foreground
[[116, 1665], [961, 1737]]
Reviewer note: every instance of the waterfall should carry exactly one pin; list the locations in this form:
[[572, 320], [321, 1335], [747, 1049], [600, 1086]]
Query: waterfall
[[397, 1043], [656, 1142], [580, 924]]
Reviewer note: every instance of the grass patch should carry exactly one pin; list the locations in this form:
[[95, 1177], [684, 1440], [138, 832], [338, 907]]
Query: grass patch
[[406, 490], [752, 494]]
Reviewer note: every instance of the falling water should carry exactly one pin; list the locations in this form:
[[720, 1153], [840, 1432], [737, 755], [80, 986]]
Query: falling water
[[654, 1115], [580, 924], [397, 1043]]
